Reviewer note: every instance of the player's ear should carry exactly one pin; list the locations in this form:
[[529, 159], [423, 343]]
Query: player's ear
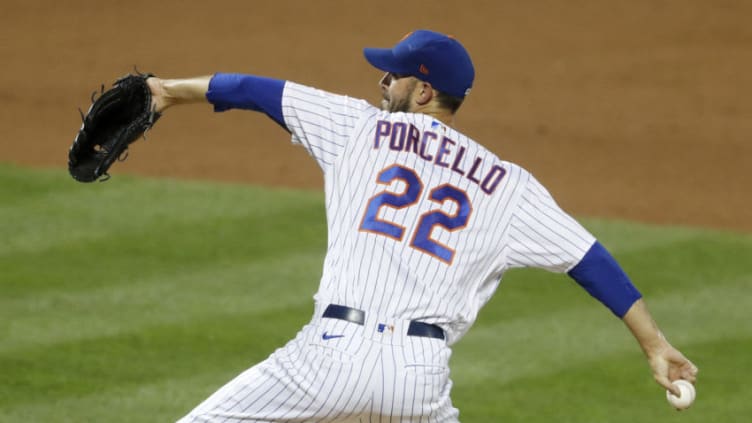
[[424, 93]]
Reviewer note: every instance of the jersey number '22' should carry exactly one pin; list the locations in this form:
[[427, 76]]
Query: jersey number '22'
[[421, 239]]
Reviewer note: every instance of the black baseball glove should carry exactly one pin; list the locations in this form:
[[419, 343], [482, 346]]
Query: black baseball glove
[[116, 119]]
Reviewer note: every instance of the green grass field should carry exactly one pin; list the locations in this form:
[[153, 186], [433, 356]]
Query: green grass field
[[133, 300]]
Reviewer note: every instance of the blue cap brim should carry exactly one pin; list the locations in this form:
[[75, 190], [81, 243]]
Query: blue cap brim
[[383, 59]]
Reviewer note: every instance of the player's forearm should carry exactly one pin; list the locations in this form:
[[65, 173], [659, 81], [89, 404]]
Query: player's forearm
[[169, 92], [643, 327], [189, 90]]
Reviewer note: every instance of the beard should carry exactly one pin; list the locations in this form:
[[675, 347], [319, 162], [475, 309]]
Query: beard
[[391, 106], [401, 104]]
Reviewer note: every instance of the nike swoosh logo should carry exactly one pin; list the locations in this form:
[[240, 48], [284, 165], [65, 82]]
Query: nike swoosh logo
[[327, 337]]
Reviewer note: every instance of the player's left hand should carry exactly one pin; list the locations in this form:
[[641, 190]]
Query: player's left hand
[[115, 119]]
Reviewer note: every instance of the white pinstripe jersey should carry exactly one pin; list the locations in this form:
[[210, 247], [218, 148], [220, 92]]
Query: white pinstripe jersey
[[422, 220]]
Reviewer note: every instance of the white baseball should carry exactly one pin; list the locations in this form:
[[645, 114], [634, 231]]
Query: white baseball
[[687, 395]]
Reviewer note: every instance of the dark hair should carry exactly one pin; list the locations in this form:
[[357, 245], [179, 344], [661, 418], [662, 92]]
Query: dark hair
[[449, 101]]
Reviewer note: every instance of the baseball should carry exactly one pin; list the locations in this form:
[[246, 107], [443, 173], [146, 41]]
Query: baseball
[[687, 395]]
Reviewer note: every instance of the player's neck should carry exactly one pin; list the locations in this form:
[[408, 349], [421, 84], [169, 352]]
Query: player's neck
[[439, 113], [445, 117]]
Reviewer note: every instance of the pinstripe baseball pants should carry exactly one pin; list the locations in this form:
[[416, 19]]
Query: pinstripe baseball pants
[[339, 371]]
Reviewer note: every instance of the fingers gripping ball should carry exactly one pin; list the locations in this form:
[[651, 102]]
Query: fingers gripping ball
[[116, 119], [687, 395]]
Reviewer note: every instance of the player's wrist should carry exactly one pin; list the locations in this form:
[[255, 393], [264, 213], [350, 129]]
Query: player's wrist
[[655, 348], [158, 93]]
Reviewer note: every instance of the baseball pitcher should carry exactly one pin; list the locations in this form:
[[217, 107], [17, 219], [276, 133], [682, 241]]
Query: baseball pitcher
[[423, 221]]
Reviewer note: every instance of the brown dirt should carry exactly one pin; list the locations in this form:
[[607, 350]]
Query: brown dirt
[[637, 110]]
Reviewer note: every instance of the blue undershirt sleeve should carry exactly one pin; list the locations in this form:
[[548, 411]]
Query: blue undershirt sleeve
[[602, 277], [237, 91]]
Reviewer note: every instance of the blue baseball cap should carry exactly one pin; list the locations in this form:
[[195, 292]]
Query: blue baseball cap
[[429, 56]]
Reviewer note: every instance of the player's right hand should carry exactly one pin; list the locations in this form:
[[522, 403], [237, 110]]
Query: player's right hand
[[668, 365]]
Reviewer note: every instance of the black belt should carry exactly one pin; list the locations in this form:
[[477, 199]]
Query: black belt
[[416, 328]]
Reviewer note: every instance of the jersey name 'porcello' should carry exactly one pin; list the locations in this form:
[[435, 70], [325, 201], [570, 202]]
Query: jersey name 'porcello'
[[438, 149]]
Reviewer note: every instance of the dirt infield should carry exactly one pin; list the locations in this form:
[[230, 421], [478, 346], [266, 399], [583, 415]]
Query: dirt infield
[[637, 110]]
